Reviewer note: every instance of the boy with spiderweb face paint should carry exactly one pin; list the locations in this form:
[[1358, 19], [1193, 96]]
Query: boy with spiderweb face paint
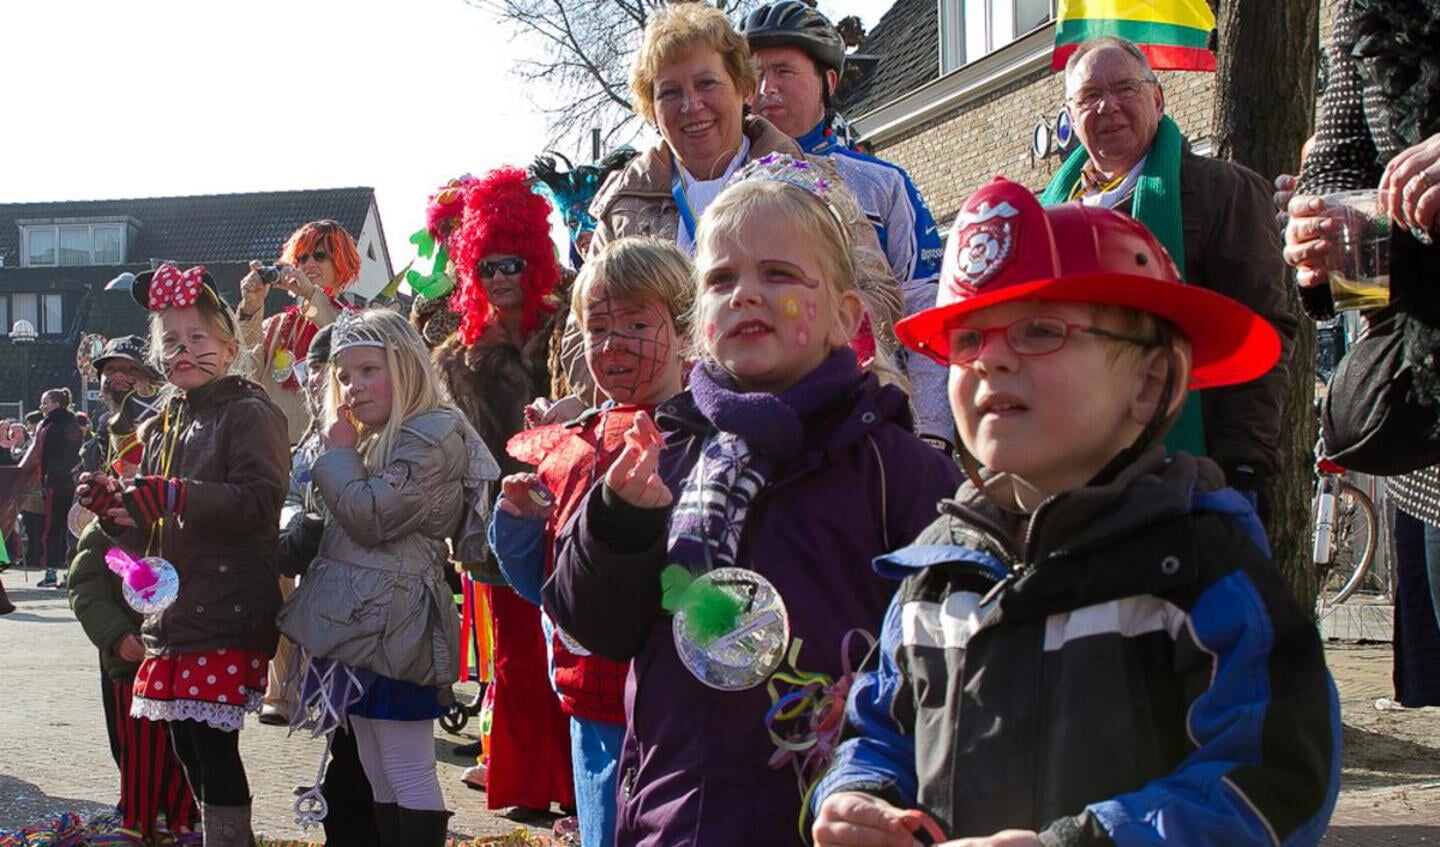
[[207, 500], [633, 301]]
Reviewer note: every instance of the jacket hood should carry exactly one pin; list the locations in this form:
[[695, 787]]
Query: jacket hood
[[1151, 489]]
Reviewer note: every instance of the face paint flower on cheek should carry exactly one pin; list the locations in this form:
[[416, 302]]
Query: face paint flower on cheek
[[791, 307]]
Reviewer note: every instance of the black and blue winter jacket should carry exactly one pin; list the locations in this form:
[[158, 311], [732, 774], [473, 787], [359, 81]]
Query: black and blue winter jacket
[[1134, 671]]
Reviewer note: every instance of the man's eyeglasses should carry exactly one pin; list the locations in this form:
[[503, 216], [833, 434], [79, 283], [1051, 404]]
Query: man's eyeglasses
[[1125, 91], [509, 267], [1028, 337], [319, 256]]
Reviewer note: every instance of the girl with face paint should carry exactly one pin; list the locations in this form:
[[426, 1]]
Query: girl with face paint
[[782, 471], [207, 500]]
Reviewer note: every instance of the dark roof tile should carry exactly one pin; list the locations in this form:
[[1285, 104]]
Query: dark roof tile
[[201, 228], [907, 42]]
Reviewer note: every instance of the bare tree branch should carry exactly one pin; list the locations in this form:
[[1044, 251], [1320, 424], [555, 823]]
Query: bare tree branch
[[582, 51]]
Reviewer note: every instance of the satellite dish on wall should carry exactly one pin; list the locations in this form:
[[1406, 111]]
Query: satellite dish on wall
[[1042, 143], [1065, 139]]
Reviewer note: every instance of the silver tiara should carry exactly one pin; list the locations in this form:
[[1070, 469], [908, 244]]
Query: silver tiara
[[801, 173], [351, 330]]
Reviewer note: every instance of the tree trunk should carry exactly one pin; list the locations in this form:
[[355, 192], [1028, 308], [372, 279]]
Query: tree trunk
[[1264, 111]]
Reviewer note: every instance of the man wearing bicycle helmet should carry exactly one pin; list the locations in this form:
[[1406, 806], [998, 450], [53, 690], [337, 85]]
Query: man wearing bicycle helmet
[[800, 57], [1090, 645]]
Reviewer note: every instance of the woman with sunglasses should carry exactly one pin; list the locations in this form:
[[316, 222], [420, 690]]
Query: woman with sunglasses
[[494, 365], [318, 262]]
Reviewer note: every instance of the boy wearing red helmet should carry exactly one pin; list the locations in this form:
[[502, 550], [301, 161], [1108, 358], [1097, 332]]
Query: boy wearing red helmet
[[1090, 645]]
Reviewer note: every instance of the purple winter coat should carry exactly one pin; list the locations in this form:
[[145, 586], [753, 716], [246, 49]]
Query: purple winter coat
[[694, 769]]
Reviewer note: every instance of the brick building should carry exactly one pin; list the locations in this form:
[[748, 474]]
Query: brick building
[[953, 90]]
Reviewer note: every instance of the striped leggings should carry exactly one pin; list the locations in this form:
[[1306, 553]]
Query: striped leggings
[[151, 779]]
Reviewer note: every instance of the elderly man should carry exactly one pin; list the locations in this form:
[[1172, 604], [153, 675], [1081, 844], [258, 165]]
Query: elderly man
[[1214, 217], [800, 56]]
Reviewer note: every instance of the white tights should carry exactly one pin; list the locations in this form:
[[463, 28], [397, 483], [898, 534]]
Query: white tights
[[399, 760]]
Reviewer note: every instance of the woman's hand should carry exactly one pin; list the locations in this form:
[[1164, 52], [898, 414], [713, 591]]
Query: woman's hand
[[1307, 245], [295, 282], [1284, 190], [1410, 186], [635, 476], [853, 819], [342, 433], [253, 290], [524, 496]]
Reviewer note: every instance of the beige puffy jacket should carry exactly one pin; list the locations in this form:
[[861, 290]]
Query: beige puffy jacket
[[375, 597]]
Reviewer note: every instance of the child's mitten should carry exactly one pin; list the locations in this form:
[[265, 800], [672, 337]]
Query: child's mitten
[[150, 498]]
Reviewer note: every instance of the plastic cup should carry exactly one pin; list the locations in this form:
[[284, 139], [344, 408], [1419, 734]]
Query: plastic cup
[[1360, 254]]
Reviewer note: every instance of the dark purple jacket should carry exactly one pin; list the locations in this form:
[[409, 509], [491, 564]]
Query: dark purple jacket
[[694, 766]]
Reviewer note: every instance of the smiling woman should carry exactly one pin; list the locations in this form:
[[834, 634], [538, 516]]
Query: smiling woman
[[317, 263], [690, 80]]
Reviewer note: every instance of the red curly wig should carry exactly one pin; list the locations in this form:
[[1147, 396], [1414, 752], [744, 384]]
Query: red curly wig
[[502, 215], [334, 238]]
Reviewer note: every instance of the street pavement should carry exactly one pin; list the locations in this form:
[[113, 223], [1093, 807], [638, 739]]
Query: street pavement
[[54, 755]]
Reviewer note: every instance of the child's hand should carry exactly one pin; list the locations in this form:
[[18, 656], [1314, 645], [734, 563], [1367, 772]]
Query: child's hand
[[129, 648], [634, 476], [524, 496], [853, 819], [342, 433], [545, 411], [1004, 838]]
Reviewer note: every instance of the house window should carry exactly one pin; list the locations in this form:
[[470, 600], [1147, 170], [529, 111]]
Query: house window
[[74, 244], [972, 29], [40, 246], [52, 315], [26, 308]]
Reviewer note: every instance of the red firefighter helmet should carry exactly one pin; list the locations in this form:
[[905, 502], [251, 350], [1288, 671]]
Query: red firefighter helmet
[[1005, 246]]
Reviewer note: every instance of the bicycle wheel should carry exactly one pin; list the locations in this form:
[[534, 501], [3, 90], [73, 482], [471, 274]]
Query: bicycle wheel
[[1354, 535]]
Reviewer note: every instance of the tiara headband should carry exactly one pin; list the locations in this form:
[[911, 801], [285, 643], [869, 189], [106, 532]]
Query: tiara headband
[[351, 330], [801, 173]]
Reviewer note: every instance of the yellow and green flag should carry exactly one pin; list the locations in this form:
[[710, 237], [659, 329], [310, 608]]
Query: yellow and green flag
[[1174, 34]]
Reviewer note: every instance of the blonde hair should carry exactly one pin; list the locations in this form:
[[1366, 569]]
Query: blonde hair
[[637, 269], [414, 388], [831, 227], [677, 30]]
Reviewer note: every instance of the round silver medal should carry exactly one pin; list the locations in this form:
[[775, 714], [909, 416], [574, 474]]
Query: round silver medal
[[158, 597], [745, 656]]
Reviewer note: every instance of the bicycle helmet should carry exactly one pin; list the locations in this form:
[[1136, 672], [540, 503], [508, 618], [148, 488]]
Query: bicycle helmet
[[791, 23]]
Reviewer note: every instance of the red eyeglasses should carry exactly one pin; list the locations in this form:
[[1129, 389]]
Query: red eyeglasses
[[1028, 337]]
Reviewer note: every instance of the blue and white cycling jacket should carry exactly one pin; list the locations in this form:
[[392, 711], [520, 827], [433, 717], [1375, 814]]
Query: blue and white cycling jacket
[[1138, 674], [911, 242]]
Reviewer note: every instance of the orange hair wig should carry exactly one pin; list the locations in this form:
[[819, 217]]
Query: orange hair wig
[[336, 241]]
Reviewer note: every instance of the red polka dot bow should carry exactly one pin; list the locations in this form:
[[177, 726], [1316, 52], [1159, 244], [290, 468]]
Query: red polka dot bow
[[171, 287]]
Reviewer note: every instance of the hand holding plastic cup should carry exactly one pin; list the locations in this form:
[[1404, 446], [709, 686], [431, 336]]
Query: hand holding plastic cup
[[1360, 250]]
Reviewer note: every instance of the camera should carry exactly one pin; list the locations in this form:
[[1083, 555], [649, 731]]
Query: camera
[[269, 274]]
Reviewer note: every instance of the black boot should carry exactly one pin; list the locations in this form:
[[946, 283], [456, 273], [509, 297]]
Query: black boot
[[424, 828], [387, 824], [6, 607]]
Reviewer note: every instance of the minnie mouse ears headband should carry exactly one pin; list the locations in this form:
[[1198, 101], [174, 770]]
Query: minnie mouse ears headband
[[168, 287]]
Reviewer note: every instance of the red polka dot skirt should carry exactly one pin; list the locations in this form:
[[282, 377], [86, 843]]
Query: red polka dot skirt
[[216, 687]]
